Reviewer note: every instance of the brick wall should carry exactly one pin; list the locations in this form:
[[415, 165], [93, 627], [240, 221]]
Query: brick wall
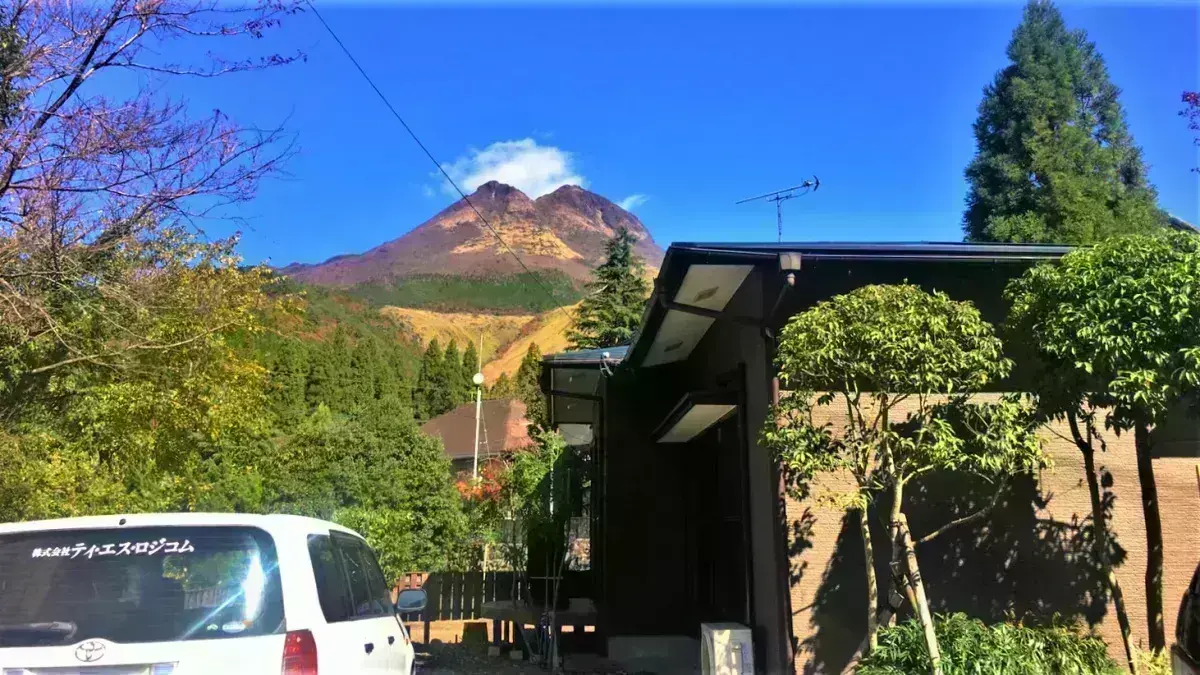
[[1031, 559]]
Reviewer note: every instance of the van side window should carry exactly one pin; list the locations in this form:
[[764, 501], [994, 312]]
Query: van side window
[[360, 567], [331, 580], [378, 583]]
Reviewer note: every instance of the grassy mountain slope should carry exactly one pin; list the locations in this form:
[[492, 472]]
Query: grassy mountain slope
[[516, 293], [548, 331], [498, 329]]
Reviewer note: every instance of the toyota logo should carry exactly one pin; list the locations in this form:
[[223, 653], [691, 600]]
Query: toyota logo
[[90, 651]]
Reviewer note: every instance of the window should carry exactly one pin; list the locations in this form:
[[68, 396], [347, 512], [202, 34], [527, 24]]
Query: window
[[364, 577], [138, 584], [380, 592], [332, 590]]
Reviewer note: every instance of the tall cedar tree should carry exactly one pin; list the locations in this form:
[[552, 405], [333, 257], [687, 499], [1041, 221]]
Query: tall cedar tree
[[432, 394], [529, 390], [289, 381], [616, 298], [1055, 162], [457, 375], [470, 366]]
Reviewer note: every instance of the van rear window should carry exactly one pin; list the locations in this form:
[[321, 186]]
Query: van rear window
[[138, 584]]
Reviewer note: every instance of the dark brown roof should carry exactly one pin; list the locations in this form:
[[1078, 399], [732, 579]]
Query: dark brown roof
[[503, 429]]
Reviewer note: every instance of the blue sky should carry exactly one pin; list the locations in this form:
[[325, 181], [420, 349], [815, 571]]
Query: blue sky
[[692, 108]]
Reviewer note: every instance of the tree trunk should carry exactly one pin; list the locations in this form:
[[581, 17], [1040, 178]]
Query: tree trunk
[[896, 564], [918, 586], [1154, 539], [872, 584], [1100, 541]]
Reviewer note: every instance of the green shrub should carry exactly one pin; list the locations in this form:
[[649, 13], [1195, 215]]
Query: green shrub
[[969, 647], [1151, 662]]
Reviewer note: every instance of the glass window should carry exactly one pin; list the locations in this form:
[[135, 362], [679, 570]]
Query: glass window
[[381, 593], [138, 584], [332, 590], [358, 562]]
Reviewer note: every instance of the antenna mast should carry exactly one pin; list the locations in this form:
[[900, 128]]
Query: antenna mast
[[781, 196]]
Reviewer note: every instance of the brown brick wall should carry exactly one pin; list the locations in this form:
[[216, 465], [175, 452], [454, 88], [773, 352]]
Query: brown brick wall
[[1031, 559]]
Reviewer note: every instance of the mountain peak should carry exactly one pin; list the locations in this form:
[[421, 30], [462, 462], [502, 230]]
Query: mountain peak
[[495, 191], [565, 230]]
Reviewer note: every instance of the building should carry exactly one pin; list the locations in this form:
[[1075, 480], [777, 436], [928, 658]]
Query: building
[[502, 431], [690, 522]]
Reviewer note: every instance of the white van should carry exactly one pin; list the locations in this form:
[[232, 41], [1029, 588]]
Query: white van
[[192, 593]]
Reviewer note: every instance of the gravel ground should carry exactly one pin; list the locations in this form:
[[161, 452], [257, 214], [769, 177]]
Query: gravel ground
[[460, 659]]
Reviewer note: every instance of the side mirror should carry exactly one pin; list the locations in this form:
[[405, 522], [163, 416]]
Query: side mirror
[[411, 600]]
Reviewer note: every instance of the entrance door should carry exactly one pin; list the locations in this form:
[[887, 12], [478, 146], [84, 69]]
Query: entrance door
[[716, 527]]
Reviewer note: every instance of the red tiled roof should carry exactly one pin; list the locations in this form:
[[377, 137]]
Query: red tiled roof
[[502, 429]]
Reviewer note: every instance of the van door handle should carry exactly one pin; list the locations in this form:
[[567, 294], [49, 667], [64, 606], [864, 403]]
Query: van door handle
[[370, 647], [391, 639]]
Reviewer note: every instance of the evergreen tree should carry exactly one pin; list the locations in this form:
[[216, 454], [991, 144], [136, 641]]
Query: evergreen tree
[[616, 298], [1055, 162], [422, 406], [321, 387], [366, 362], [528, 388], [470, 366], [432, 396], [502, 388], [393, 384], [289, 379], [338, 389], [458, 377]]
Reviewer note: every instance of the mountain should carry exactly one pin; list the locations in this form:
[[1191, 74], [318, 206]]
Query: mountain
[[562, 232]]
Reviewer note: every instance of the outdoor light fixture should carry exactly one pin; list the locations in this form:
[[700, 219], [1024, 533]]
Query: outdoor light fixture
[[790, 264], [695, 413]]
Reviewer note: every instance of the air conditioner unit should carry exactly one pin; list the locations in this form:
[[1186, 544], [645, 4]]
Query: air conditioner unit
[[726, 649]]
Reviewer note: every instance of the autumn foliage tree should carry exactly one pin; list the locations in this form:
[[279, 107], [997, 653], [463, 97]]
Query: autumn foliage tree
[[91, 182], [121, 386]]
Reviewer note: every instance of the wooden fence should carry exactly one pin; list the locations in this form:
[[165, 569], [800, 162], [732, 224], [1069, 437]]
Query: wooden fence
[[457, 596]]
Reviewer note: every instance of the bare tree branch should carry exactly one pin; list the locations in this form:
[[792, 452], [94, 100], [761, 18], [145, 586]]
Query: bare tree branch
[[965, 520]]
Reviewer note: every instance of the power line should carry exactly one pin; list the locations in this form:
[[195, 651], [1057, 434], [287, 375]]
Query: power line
[[399, 118]]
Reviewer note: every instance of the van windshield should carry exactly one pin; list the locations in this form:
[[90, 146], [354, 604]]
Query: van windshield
[[147, 584]]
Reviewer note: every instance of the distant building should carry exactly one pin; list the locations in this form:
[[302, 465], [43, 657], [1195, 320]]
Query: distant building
[[502, 431]]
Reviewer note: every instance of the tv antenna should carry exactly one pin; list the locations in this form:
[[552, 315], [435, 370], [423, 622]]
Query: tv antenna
[[781, 196]]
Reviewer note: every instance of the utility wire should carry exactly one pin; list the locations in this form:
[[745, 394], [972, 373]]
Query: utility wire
[[399, 118]]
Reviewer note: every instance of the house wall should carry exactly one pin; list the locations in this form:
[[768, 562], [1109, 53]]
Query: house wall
[[644, 546], [1029, 560], [646, 566], [727, 347]]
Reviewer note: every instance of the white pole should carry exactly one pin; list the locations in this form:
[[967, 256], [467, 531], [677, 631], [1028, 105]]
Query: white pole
[[478, 410], [478, 379]]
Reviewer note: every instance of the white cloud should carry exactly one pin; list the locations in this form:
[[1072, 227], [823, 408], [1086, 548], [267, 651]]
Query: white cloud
[[531, 168], [633, 201]]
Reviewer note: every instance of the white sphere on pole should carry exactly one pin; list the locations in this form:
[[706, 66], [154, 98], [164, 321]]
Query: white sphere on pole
[[478, 379]]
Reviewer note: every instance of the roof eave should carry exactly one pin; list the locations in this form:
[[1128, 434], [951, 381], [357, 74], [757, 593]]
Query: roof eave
[[689, 253]]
